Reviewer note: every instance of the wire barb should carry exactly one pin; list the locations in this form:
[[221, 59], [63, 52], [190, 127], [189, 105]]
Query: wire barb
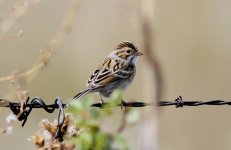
[[179, 101], [60, 120], [23, 109]]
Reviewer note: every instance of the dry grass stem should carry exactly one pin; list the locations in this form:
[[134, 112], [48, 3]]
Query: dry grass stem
[[11, 15], [45, 137], [46, 54]]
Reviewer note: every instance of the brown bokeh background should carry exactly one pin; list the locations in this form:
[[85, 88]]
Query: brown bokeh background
[[192, 41]]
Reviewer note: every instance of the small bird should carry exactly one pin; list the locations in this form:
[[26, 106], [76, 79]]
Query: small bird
[[116, 72]]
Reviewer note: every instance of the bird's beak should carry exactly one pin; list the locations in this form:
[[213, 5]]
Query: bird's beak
[[138, 54]]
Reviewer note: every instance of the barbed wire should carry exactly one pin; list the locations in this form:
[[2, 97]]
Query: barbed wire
[[22, 111]]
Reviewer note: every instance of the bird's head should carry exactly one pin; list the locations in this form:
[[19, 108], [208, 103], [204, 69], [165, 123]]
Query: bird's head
[[126, 51]]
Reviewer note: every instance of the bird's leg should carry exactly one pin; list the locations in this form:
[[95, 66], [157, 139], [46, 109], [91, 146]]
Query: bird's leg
[[123, 104], [102, 102]]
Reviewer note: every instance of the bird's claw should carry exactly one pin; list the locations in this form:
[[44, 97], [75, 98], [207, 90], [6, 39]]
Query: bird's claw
[[102, 104], [123, 104]]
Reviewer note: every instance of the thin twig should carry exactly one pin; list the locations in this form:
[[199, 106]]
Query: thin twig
[[123, 121], [147, 30], [46, 54], [12, 14], [149, 123]]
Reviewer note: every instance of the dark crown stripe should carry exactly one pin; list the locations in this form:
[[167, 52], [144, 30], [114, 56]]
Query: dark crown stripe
[[126, 44]]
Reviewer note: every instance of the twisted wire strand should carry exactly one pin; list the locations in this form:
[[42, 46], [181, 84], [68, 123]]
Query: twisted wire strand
[[178, 103], [37, 102], [23, 111]]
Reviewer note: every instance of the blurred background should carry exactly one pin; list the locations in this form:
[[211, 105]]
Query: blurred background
[[191, 39]]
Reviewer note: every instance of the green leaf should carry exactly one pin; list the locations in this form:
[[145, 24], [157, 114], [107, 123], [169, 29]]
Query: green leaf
[[121, 142], [116, 97], [133, 116]]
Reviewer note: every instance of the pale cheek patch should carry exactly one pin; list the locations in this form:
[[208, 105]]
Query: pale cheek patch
[[134, 60]]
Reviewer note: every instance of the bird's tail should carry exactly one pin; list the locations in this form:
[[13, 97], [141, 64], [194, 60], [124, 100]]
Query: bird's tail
[[76, 97], [82, 93]]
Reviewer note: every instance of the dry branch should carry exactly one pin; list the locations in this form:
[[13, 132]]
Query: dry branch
[[47, 53]]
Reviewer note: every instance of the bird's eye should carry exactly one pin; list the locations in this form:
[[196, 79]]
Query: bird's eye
[[128, 51]]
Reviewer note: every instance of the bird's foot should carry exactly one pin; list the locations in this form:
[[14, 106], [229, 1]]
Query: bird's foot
[[123, 104], [102, 104]]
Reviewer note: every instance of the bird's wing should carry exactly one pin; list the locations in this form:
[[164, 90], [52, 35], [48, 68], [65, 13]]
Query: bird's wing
[[106, 74]]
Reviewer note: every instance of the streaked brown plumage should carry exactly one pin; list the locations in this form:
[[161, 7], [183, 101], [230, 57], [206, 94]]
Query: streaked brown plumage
[[117, 71]]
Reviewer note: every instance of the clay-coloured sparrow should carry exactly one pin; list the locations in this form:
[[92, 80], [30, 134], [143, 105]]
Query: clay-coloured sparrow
[[116, 72]]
